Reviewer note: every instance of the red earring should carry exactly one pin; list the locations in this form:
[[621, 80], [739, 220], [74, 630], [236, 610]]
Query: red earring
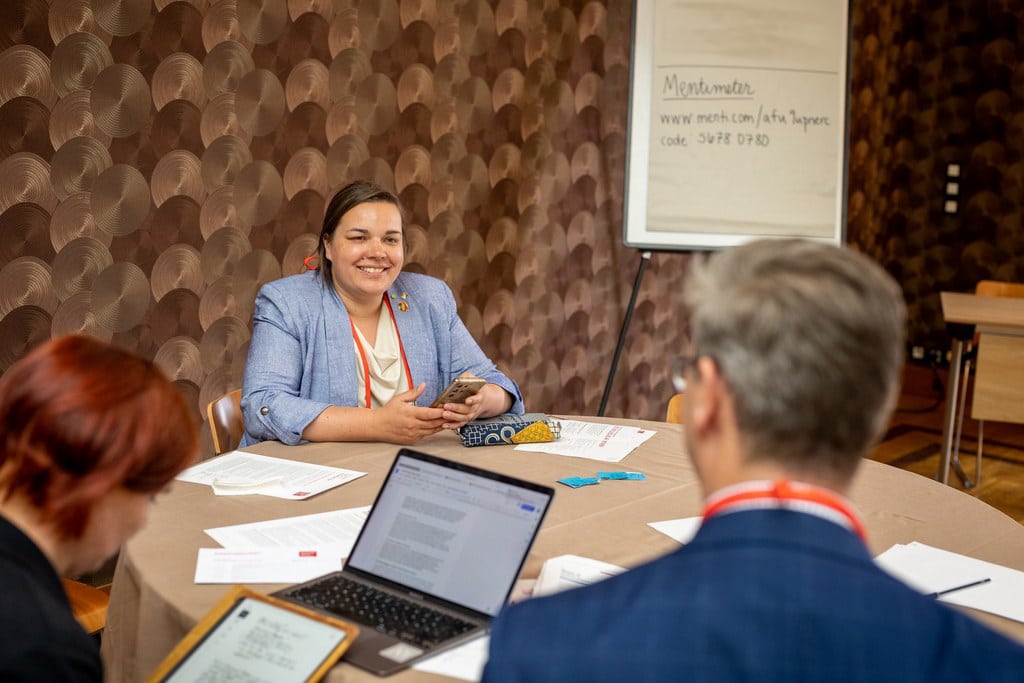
[[309, 262]]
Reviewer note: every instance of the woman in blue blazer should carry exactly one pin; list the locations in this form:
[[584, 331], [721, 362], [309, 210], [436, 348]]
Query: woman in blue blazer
[[356, 350]]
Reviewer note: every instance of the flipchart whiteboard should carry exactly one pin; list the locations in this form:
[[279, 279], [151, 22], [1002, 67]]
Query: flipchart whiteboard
[[738, 117]]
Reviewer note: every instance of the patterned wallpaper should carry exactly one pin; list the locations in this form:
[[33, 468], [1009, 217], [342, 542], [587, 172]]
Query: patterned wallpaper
[[936, 84], [159, 161]]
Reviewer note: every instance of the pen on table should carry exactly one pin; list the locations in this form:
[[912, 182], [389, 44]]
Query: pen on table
[[972, 584]]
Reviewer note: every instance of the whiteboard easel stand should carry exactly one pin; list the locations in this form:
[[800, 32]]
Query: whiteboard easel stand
[[645, 259]]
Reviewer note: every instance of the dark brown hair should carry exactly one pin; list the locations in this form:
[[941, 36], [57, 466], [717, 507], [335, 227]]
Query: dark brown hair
[[79, 418], [346, 199]]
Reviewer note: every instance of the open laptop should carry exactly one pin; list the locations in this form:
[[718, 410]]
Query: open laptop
[[435, 561]]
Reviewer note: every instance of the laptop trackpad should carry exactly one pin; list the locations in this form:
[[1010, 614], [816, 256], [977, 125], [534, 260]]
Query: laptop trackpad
[[372, 643], [380, 653], [401, 652]]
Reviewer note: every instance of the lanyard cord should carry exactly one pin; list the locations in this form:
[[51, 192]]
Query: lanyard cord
[[366, 363], [786, 494], [401, 346]]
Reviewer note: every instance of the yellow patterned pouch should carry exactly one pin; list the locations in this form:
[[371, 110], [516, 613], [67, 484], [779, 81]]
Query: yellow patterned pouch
[[510, 429]]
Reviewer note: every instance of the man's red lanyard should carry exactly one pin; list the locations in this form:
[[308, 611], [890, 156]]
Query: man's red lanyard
[[366, 363], [783, 494]]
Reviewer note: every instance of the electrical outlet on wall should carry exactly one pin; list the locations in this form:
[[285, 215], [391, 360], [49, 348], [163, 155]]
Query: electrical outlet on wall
[[930, 356], [951, 203]]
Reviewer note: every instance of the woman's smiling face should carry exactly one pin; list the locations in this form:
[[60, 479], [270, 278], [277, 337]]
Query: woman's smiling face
[[366, 251]]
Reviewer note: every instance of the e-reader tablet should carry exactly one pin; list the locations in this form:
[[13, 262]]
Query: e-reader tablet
[[248, 636]]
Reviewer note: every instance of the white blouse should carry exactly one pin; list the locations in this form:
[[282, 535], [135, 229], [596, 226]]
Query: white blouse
[[387, 371]]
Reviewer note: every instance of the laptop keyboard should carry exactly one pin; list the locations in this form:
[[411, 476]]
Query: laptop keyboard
[[387, 613]]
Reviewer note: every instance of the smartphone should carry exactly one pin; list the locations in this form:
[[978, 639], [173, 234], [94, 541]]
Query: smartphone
[[459, 390]]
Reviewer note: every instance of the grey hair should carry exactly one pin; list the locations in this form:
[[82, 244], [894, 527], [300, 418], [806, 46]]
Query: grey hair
[[809, 338]]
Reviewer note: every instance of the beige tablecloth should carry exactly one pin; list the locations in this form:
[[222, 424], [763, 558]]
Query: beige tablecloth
[[154, 601]]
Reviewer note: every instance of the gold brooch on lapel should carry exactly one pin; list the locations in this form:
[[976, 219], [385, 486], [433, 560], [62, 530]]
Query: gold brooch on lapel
[[403, 306]]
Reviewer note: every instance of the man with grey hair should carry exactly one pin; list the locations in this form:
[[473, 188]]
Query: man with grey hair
[[791, 375]]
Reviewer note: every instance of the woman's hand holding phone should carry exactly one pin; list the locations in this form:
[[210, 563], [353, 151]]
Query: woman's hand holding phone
[[473, 397], [460, 390]]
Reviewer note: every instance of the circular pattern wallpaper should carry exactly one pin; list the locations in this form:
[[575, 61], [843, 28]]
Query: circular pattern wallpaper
[[159, 161]]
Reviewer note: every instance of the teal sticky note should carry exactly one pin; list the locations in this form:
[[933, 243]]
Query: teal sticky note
[[576, 482], [635, 476], [612, 475]]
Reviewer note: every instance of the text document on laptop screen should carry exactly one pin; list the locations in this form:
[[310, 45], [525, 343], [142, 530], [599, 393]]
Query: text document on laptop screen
[[449, 533]]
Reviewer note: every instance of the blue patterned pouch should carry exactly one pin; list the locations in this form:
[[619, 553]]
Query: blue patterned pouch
[[508, 428]]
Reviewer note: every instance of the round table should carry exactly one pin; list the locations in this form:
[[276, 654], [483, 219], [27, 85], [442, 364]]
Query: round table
[[154, 601]]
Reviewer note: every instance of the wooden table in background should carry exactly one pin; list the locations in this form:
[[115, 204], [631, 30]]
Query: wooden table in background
[[999, 379]]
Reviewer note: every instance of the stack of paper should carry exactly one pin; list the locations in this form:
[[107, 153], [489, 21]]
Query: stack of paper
[[932, 570], [288, 550], [593, 440], [240, 473], [572, 571], [465, 661], [267, 565], [336, 529], [680, 530]]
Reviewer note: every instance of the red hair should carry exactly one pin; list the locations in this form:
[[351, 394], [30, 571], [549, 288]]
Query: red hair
[[80, 418]]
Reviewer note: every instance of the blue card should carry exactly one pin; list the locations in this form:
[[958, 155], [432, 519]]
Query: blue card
[[576, 482], [635, 476]]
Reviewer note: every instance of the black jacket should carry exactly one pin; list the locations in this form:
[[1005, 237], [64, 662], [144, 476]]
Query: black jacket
[[40, 640]]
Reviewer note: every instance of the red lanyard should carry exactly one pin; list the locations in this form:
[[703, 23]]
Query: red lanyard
[[788, 495], [366, 363]]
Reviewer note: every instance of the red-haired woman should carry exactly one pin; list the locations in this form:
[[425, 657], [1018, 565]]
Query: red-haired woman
[[90, 433]]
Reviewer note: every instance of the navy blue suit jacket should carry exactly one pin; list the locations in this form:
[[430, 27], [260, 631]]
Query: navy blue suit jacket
[[766, 596]]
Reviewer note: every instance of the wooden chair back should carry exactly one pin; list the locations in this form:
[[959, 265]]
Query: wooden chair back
[[88, 604], [225, 418], [991, 400], [674, 413], [1014, 290]]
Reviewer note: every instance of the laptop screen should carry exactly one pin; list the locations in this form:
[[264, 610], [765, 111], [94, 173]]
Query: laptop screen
[[450, 530]]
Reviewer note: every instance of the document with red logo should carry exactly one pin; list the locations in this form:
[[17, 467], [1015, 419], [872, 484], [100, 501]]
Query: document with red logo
[[592, 440], [264, 565]]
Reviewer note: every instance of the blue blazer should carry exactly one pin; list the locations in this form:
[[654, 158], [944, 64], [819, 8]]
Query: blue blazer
[[302, 359], [768, 596]]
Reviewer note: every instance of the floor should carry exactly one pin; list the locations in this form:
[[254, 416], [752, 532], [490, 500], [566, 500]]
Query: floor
[[914, 439]]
